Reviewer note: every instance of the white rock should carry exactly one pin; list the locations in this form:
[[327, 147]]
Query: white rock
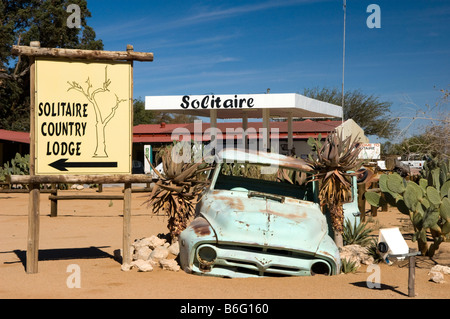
[[437, 277], [151, 242], [159, 253], [439, 268], [174, 249], [356, 254], [126, 267], [80, 187], [142, 265], [156, 241], [169, 264], [153, 263], [142, 252]]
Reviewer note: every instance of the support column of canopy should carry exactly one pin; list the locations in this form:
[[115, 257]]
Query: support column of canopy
[[266, 130], [290, 137], [244, 133], [213, 129]]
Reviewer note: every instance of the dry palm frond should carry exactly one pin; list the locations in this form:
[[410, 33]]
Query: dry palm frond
[[332, 163], [178, 189]]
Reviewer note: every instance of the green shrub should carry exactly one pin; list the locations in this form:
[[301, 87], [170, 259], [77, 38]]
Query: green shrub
[[372, 251], [427, 203], [348, 266], [17, 166], [356, 234]]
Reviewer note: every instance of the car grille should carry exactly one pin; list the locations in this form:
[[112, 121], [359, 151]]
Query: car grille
[[261, 261]]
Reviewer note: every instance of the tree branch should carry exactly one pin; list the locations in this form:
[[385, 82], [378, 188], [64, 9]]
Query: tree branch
[[113, 111], [6, 76]]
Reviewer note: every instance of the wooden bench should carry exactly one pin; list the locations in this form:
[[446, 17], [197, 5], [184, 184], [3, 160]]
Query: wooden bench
[[54, 198]]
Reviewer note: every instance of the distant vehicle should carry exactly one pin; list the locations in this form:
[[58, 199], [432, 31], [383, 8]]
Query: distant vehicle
[[414, 164], [258, 226], [137, 167]]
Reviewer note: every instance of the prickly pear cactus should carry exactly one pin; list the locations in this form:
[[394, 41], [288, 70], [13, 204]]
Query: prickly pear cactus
[[17, 166], [427, 203]]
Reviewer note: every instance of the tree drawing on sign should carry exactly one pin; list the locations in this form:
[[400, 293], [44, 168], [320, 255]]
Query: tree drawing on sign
[[100, 118]]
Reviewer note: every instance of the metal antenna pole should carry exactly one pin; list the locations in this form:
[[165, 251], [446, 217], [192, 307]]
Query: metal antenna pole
[[343, 64]]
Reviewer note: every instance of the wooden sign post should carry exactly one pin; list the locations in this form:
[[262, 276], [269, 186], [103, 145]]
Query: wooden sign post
[[69, 115]]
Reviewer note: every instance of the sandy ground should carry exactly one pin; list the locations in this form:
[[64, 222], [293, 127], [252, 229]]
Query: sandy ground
[[86, 233]]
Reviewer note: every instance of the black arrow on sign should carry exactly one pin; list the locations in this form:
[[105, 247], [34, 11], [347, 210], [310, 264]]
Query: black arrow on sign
[[62, 164]]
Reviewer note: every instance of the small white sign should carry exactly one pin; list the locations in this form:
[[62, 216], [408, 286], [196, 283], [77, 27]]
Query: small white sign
[[414, 164], [370, 151], [395, 242], [147, 157]]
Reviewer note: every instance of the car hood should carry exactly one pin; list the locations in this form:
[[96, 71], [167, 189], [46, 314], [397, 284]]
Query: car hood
[[237, 217]]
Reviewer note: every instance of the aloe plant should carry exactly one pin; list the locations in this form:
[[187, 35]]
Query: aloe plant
[[348, 266], [427, 203], [356, 233], [178, 189], [332, 161]]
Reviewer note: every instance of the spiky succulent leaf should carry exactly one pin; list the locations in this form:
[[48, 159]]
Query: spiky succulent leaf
[[395, 183], [356, 233], [445, 209], [411, 196], [423, 184], [435, 173], [398, 198], [423, 235], [425, 202], [445, 229], [445, 189], [332, 160], [433, 195], [431, 219], [382, 181], [419, 191], [373, 198]]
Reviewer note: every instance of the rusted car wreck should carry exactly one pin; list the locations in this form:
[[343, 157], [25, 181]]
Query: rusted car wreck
[[250, 227]]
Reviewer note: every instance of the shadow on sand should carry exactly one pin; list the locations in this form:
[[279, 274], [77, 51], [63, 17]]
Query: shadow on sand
[[363, 284], [64, 254]]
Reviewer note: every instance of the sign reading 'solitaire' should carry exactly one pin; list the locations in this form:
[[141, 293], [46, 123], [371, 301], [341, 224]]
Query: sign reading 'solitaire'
[[83, 117]]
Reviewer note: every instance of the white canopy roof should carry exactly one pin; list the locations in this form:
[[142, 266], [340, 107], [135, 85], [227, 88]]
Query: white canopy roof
[[230, 155], [244, 105]]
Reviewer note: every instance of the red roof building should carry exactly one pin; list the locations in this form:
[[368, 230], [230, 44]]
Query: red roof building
[[11, 143], [158, 135], [164, 133]]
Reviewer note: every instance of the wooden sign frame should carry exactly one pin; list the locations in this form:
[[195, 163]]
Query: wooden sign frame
[[34, 181]]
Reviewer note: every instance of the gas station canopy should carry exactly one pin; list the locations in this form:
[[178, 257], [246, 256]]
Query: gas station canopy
[[232, 106], [245, 106]]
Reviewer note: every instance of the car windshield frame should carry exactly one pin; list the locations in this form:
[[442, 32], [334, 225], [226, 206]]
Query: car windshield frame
[[306, 191]]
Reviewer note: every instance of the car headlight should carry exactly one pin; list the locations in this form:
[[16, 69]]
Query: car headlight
[[206, 255]]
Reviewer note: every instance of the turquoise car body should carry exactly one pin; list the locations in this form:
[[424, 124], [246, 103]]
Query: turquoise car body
[[252, 228]]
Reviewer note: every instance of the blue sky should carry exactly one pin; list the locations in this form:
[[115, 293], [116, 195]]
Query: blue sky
[[237, 47]]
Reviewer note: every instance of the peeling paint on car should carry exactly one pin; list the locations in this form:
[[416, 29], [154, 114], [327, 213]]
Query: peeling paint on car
[[258, 228], [200, 227]]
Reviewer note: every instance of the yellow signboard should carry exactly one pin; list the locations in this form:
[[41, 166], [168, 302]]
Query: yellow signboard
[[83, 117]]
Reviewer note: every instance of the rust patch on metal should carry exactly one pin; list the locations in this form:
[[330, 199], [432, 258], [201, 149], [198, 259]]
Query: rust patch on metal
[[234, 203], [326, 253], [200, 227], [294, 216], [244, 223]]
